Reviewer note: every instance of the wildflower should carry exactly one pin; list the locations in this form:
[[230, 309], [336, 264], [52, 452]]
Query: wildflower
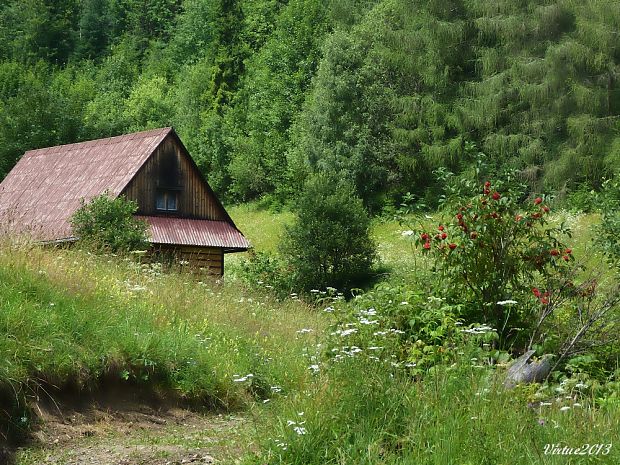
[[576, 404], [314, 291], [473, 235], [541, 422], [407, 233], [304, 331], [427, 245], [536, 292], [459, 216], [568, 251], [565, 408], [441, 228], [506, 302], [443, 235], [566, 258], [315, 369], [346, 332], [300, 430], [554, 252], [496, 195], [518, 217], [545, 209], [537, 201], [487, 184], [424, 237], [329, 309], [452, 246]]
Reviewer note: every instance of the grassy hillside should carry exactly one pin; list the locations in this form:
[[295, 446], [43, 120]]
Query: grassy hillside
[[74, 321]]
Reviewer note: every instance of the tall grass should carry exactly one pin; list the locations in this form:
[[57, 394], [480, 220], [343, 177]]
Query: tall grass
[[71, 320], [364, 413]]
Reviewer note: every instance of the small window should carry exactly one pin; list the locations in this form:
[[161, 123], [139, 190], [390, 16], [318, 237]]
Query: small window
[[166, 200]]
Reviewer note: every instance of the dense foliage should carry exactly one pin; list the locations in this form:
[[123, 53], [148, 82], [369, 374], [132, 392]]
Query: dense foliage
[[329, 244], [108, 224], [493, 250], [265, 92]]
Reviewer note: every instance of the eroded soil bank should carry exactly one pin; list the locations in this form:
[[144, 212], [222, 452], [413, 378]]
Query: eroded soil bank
[[119, 427]]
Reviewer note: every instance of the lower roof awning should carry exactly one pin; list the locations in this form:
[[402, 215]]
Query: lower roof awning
[[192, 232]]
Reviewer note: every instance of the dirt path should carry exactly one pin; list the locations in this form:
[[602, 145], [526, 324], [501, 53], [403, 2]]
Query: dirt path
[[120, 430]]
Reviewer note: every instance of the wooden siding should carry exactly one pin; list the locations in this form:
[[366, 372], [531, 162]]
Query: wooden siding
[[209, 260], [194, 200]]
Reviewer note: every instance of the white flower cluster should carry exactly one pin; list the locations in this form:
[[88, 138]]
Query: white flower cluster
[[478, 330], [241, 379]]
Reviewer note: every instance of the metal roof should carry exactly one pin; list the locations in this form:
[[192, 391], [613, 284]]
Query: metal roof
[[184, 231], [46, 186]]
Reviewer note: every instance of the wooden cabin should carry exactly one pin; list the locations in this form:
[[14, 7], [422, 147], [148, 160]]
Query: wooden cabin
[[45, 188]]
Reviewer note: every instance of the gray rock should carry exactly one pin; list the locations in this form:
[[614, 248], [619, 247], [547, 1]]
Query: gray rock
[[522, 371]]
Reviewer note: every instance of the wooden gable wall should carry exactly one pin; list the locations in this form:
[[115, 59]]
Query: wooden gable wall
[[195, 199]]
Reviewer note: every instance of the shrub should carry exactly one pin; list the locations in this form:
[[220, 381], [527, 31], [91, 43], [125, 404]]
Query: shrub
[[329, 243], [609, 204], [109, 224], [490, 253], [264, 270]]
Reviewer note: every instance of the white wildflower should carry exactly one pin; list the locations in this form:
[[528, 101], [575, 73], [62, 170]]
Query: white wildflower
[[565, 408], [300, 430], [407, 233], [506, 302]]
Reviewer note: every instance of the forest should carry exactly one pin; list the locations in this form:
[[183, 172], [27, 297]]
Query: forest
[[382, 93]]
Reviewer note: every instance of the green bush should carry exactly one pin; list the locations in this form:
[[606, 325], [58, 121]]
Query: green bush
[[264, 270], [108, 224], [495, 254], [329, 243], [609, 204]]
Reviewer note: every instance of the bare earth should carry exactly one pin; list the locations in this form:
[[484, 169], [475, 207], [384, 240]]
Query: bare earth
[[120, 430]]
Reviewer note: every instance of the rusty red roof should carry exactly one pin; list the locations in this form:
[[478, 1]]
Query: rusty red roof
[[45, 187], [184, 231]]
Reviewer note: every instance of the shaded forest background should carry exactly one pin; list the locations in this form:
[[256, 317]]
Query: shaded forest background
[[266, 92]]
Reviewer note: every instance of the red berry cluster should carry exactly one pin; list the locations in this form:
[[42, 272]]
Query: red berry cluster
[[543, 297]]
